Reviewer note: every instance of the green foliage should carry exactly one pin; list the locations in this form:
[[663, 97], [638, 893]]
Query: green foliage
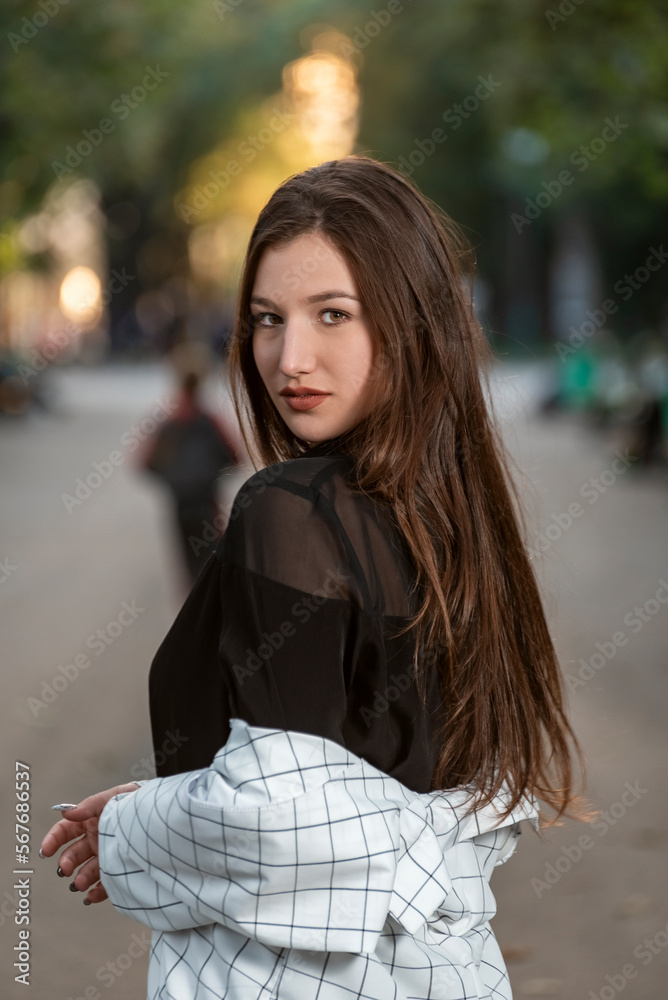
[[563, 68]]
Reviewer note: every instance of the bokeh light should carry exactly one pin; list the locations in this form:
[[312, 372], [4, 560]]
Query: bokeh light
[[80, 296]]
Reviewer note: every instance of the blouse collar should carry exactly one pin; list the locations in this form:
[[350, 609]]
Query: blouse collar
[[333, 445]]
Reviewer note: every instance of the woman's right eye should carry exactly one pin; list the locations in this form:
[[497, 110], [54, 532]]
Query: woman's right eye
[[258, 319]]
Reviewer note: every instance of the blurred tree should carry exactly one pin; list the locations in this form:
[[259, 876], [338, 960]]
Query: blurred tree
[[561, 70], [521, 91], [129, 94]]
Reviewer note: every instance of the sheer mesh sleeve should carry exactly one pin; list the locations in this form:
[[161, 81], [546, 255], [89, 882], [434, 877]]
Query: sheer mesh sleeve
[[295, 622], [293, 592]]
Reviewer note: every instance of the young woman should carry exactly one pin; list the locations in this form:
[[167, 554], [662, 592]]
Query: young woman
[[363, 682]]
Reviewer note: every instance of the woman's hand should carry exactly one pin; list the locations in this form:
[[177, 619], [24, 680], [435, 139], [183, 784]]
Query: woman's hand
[[82, 822]]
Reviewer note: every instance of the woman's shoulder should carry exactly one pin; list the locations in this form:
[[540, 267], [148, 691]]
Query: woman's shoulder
[[309, 510], [305, 475], [309, 488], [284, 527]]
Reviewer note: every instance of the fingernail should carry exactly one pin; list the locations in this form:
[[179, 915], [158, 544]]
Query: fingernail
[[73, 888], [64, 806], [41, 854], [86, 902], [59, 871]]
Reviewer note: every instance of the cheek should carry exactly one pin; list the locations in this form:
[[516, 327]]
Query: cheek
[[367, 362], [359, 370], [260, 354]]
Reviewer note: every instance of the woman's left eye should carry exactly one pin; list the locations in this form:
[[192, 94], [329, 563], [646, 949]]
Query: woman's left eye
[[337, 314]]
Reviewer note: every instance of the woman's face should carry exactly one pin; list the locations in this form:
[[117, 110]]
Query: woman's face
[[310, 330]]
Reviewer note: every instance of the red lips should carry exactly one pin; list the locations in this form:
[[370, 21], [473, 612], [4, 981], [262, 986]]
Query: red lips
[[302, 390]]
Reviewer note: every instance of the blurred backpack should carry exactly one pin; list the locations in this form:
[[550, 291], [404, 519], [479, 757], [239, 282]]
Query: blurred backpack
[[189, 455]]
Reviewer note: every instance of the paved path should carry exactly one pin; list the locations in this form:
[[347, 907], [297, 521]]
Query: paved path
[[589, 918], [76, 568]]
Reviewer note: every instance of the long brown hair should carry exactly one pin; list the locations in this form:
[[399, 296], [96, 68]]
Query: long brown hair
[[430, 454]]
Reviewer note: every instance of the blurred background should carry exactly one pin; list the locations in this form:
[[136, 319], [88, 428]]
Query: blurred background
[[138, 142]]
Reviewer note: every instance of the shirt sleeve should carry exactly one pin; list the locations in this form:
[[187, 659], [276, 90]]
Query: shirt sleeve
[[292, 596], [296, 842]]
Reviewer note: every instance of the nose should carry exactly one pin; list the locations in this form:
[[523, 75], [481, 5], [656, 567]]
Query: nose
[[297, 348]]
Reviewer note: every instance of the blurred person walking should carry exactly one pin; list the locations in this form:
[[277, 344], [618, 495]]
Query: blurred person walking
[[650, 427], [189, 453]]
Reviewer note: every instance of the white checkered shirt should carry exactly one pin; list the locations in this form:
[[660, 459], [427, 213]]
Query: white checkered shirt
[[291, 869]]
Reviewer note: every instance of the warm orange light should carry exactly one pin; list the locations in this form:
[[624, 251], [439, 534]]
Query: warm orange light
[[81, 296], [314, 118]]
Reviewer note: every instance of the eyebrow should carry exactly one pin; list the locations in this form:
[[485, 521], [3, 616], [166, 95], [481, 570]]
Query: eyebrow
[[320, 297]]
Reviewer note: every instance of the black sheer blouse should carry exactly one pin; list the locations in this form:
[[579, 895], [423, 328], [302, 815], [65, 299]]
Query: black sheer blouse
[[292, 624]]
